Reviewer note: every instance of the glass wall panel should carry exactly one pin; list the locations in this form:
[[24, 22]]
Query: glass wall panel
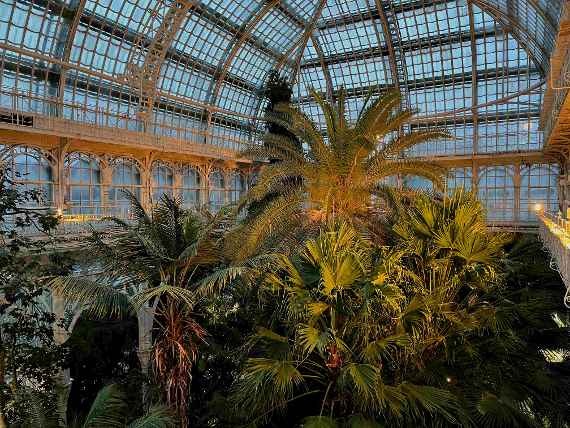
[[162, 181], [126, 178], [83, 193], [237, 187], [32, 172], [191, 187], [538, 189], [497, 192], [217, 190]]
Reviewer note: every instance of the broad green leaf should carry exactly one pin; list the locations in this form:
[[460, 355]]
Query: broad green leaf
[[319, 422]]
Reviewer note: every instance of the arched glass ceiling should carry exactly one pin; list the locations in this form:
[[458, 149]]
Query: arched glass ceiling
[[474, 65]]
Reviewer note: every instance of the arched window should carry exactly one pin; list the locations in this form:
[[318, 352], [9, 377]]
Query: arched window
[[496, 191], [83, 193], [190, 187], [538, 186], [162, 181], [237, 187], [32, 172], [217, 189], [126, 176]]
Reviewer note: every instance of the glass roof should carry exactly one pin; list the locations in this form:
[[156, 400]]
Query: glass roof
[[476, 66]]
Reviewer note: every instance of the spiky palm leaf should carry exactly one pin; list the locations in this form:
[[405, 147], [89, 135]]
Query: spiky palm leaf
[[156, 417], [336, 175], [344, 323], [158, 260]]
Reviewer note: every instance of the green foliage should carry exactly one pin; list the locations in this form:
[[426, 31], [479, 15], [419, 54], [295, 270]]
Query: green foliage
[[29, 356], [109, 410], [423, 332], [336, 175], [155, 263]]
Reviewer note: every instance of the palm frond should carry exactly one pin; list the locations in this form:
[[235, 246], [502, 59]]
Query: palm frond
[[182, 295], [99, 300], [108, 409], [156, 417]]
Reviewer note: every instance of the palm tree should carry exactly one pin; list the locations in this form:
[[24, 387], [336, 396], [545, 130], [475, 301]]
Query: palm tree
[[448, 234], [422, 332], [499, 339], [109, 409], [151, 267], [343, 342], [341, 170]]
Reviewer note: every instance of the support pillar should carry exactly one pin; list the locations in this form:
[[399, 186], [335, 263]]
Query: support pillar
[[205, 190], [146, 181], [106, 169], [59, 154], [177, 183], [475, 178], [227, 185], [145, 318], [63, 378], [517, 191]]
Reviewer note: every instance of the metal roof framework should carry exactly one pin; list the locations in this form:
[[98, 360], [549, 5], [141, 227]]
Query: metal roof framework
[[202, 62]]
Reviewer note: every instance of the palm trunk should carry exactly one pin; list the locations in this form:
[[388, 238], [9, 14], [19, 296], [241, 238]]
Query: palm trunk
[[145, 317]]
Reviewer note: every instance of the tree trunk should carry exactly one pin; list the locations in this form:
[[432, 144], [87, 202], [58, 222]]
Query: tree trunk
[[145, 317]]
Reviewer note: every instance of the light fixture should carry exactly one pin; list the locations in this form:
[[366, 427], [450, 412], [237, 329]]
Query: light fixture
[[538, 208], [59, 212]]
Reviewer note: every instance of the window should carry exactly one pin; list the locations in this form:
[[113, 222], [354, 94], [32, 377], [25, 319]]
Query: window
[[32, 172], [237, 187], [538, 186], [126, 177], [459, 178], [83, 193], [162, 181], [217, 185], [497, 192], [190, 191]]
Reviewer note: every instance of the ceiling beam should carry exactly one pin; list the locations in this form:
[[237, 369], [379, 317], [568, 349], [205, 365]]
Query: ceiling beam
[[438, 82], [407, 46], [375, 13]]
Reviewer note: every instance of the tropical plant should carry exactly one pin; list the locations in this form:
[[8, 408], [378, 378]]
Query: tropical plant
[[152, 265], [342, 168], [400, 335], [29, 354], [505, 375], [344, 342], [109, 409]]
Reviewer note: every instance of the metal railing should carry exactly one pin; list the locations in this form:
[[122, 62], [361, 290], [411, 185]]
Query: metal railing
[[559, 82], [23, 109], [554, 232], [562, 223]]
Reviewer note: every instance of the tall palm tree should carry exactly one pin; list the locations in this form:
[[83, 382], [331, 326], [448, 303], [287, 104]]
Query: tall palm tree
[[341, 169], [153, 265]]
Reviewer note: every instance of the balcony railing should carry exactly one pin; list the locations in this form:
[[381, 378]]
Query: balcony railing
[[21, 109], [559, 80], [554, 232]]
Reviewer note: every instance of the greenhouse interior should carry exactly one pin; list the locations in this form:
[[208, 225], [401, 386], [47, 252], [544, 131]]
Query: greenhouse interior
[[285, 213]]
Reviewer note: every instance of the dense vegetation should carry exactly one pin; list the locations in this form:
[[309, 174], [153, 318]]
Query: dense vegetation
[[335, 301]]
